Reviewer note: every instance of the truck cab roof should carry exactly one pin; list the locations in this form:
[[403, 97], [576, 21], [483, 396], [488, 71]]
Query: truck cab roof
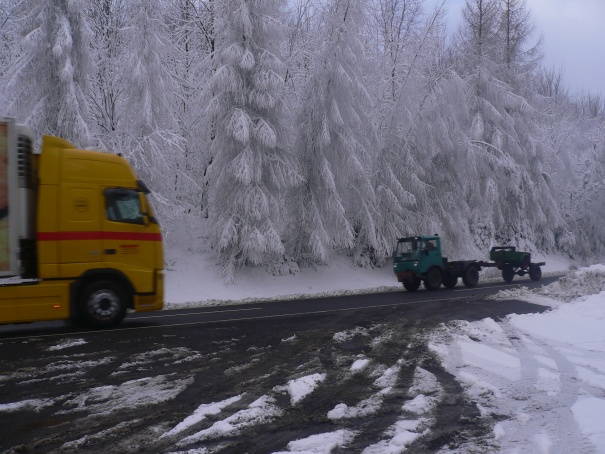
[[419, 238], [60, 160]]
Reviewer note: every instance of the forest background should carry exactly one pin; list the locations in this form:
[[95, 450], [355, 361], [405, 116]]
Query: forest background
[[284, 133]]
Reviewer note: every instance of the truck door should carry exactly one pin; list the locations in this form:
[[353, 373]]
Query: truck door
[[128, 238], [431, 254], [77, 235]]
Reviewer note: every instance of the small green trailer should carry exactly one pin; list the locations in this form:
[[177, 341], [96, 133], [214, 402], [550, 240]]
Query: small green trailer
[[418, 260], [512, 262]]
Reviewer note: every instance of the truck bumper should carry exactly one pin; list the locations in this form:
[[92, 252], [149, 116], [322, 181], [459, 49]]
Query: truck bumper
[[405, 276], [151, 301]]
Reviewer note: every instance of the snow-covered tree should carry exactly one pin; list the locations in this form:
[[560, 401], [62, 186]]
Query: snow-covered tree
[[301, 18], [579, 142], [147, 133], [107, 18], [516, 31], [192, 35], [504, 133], [409, 44], [49, 81], [397, 26], [8, 39], [589, 200], [252, 167], [335, 206]]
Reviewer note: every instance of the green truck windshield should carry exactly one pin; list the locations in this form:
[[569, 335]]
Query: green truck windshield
[[406, 250]]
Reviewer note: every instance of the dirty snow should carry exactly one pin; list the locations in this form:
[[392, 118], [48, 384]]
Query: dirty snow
[[262, 410], [300, 388], [64, 370], [36, 404], [321, 443], [67, 344], [401, 434], [541, 377], [133, 393], [201, 413], [360, 364]]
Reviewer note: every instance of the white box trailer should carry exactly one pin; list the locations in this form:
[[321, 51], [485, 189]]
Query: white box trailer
[[16, 194], [8, 184]]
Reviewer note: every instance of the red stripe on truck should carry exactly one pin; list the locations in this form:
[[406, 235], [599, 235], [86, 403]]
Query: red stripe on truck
[[79, 236]]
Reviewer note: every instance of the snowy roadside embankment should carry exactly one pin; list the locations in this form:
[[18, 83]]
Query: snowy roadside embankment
[[539, 377], [193, 280]]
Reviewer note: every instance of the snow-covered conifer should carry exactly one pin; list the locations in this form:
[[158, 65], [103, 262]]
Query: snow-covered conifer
[[516, 30], [503, 136], [49, 80], [335, 207], [252, 166], [192, 35], [406, 52], [148, 133], [107, 19]]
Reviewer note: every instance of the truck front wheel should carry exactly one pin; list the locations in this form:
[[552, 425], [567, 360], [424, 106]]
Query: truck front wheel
[[102, 305], [433, 279], [411, 286], [470, 277]]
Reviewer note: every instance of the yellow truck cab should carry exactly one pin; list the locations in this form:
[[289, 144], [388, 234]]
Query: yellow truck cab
[[94, 247]]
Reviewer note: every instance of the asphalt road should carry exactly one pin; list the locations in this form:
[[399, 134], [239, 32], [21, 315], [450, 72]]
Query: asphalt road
[[128, 389], [292, 308]]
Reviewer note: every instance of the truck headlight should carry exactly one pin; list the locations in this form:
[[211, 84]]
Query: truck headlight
[[415, 264]]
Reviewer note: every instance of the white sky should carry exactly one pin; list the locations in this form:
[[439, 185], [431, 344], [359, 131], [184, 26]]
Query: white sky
[[573, 34]]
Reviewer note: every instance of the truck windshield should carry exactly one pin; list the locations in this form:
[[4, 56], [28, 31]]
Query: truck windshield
[[406, 249], [123, 205]]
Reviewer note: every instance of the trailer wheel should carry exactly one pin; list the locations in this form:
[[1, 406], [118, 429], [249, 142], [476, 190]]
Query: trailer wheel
[[535, 272], [470, 276], [433, 279], [102, 304], [508, 273], [449, 281], [411, 286]]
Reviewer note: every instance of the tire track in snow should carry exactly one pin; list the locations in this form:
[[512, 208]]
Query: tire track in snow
[[540, 413]]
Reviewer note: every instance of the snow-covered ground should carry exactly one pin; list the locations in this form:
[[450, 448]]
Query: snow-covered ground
[[541, 377]]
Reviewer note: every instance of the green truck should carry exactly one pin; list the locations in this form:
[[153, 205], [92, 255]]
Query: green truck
[[418, 259]]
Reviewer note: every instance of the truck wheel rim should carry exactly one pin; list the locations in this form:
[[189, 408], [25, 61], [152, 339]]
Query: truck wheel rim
[[103, 303]]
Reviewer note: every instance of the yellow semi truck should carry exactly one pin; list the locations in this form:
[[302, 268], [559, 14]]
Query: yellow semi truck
[[78, 238]]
